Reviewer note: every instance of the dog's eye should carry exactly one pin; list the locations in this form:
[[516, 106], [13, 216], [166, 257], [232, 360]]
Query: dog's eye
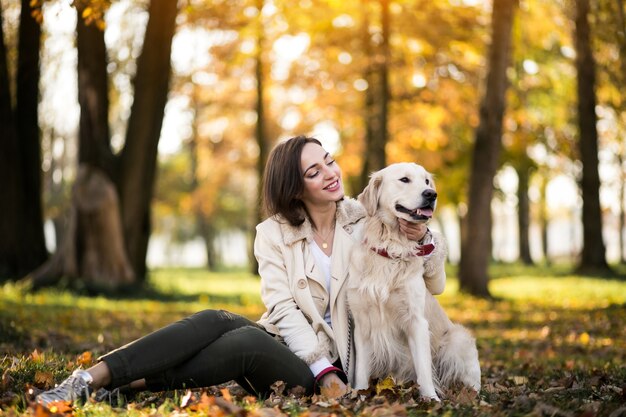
[[427, 181], [405, 180]]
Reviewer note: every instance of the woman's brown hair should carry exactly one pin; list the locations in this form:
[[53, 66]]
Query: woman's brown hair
[[283, 181]]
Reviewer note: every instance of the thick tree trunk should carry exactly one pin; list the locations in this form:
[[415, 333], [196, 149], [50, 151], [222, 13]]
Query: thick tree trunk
[[10, 192], [377, 101], [486, 153], [523, 214], [93, 248], [139, 156], [93, 96], [593, 257], [33, 246]]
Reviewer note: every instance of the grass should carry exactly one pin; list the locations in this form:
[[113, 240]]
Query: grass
[[551, 343]]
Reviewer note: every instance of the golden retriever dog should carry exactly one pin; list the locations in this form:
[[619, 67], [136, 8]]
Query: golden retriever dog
[[400, 328]]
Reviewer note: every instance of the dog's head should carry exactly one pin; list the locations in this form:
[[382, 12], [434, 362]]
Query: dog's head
[[404, 190]]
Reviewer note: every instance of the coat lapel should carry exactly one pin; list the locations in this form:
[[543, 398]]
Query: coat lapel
[[340, 262], [310, 267]]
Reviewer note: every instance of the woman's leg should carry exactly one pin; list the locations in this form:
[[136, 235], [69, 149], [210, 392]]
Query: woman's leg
[[165, 348], [247, 355]]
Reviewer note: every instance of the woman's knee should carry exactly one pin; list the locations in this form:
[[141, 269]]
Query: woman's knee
[[217, 322]]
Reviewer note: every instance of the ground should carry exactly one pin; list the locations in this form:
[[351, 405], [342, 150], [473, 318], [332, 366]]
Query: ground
[[550, 344]]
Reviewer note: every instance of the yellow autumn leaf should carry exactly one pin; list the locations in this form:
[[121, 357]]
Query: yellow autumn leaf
[[520, 380], [584, 338], [386, 384], [87, 12]]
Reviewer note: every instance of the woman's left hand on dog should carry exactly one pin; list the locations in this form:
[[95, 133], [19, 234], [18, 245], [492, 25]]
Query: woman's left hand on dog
[[413, 231]]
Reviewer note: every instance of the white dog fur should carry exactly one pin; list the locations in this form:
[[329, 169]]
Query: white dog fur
[[400, 328]]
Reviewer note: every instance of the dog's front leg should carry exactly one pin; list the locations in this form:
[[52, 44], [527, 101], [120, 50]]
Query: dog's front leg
[[362, 359], [419, 345]]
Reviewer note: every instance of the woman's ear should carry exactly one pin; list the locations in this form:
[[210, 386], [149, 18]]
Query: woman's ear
[[371, 193]]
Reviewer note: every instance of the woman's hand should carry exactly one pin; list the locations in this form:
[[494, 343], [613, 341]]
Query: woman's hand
[[332, 386], [414, 231]]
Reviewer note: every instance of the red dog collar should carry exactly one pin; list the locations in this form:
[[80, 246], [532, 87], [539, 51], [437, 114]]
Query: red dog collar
[[422, 250]]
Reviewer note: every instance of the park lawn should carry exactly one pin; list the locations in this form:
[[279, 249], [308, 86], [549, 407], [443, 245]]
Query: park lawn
[[551, 343]]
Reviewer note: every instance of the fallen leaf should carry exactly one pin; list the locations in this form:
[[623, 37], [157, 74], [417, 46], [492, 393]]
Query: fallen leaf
[[44, 379], [36, 356], [226, 394], [332, 391], [385, 384], [85, 359], [519, 380]]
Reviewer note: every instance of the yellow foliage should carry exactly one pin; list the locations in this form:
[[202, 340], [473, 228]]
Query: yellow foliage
[[385, 384]]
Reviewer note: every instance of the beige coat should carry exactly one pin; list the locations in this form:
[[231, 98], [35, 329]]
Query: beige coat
[[293, 288]]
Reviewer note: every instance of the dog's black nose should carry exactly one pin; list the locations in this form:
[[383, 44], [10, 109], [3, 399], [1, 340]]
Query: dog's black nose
[[429, 195]]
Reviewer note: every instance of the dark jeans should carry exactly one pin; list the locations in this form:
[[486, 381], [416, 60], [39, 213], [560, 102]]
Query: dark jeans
[[208, 348]]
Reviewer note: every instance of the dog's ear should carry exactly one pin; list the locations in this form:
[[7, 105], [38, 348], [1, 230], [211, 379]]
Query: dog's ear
[[371, 193]]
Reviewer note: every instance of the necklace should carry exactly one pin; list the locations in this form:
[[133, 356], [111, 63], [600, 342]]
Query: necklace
[[325, 238]]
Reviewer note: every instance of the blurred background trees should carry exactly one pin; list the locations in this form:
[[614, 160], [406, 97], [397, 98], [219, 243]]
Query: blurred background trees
[[97, 131]]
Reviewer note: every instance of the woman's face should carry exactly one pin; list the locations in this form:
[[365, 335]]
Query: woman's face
[[322, 176]]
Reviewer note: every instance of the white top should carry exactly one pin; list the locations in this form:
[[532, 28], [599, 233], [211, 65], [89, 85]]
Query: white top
[[323, 262]]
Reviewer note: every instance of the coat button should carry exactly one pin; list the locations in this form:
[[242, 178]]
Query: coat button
[[348, 229], [301, 283]]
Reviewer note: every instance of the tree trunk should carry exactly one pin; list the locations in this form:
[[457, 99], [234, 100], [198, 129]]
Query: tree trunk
[[593, 257], [377, 100], [33, 246], [139, 156], [260, 131], [622, 212], [10, 192], [486, 153], [94, 146], [92, 250], [543, 219], [523, 214]]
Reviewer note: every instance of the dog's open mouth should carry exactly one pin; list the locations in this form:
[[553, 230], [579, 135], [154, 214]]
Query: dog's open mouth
[[418, 214]]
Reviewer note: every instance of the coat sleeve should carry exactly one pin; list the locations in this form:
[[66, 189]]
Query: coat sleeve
[[434, 265], [283, 312]]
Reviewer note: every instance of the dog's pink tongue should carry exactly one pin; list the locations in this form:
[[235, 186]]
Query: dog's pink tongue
[[425, 212]]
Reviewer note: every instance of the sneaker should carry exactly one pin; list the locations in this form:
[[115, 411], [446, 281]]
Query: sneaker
[[75, 387]]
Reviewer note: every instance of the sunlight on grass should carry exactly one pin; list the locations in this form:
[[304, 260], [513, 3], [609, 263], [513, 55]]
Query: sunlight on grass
[[570, 292], [195, 281]]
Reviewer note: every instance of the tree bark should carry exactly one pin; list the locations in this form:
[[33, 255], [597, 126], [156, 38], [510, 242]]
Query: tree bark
[[33, 245], [92, 250], [93, 247], [139, 156], [10, 192], [486, 154], [523, 214], [377, 100], [593, 256], [94, 146]]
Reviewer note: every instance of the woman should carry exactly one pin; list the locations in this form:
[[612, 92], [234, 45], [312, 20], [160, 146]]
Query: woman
[[303, 339]]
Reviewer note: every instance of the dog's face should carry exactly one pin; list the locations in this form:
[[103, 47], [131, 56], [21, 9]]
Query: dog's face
[[404, 190]]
